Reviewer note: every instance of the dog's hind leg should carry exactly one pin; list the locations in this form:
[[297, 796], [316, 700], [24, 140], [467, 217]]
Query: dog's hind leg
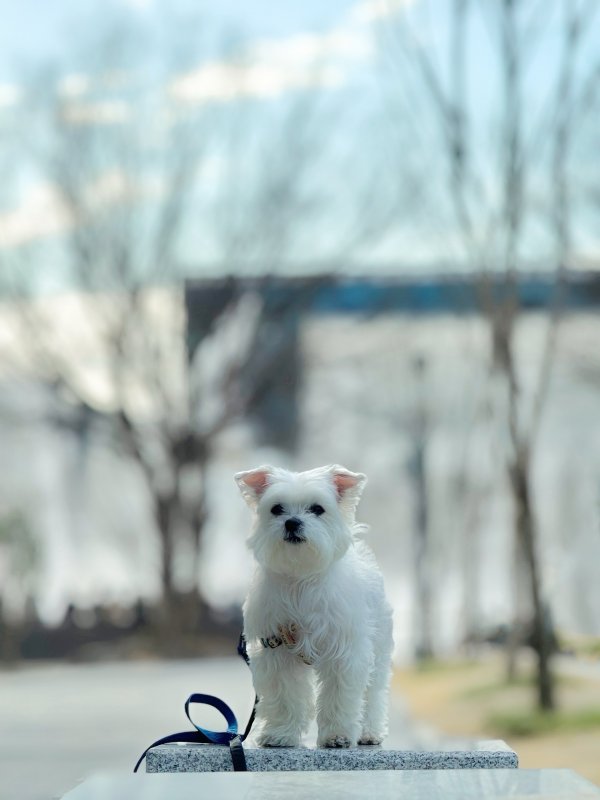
[[376, 697], [284, 687]]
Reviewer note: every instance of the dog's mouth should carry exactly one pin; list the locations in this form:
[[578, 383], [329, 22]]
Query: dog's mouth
[[293, 538]]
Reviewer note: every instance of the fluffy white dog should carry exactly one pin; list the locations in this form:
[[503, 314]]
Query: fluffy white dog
[[316, 609]]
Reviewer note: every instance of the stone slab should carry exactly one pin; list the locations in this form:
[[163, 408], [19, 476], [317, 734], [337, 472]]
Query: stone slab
[[469, 784], [494, 754]]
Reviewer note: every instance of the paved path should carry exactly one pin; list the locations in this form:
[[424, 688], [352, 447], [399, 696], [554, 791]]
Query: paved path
[[61, 722]]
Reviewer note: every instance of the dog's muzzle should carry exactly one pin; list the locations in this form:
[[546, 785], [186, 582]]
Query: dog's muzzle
[[293, 527], [293, 538]]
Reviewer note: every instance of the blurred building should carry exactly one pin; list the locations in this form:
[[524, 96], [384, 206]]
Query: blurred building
[[391, 377], [359, 399]]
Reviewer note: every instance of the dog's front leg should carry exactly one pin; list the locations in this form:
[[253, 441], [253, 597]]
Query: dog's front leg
[[340, 699], [284, 688]]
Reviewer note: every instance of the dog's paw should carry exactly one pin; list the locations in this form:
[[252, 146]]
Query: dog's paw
[[336, 741], [276, 739], [370, 738]]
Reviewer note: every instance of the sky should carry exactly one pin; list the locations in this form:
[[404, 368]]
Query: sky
[[35, 29], [284, 43], [291, 48]]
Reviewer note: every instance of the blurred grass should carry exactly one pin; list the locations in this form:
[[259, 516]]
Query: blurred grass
[[474, 699], [582, 646], [528, 723], [522, 681]]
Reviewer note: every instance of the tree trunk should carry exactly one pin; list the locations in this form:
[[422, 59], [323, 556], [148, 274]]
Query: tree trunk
[[424, 633], [9, 643], [542, 637], [182, 607], [424, 649], [517, 631], [164, 507]]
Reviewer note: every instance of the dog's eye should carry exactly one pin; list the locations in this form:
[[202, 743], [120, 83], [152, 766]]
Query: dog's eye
[[277, 510], [317, 510]]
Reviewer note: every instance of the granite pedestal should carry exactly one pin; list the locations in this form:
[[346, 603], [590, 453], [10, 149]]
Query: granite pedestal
[[215, 758]]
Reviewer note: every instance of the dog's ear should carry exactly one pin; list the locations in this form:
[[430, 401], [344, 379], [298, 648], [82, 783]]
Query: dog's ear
[[253, 483], [348, 486]]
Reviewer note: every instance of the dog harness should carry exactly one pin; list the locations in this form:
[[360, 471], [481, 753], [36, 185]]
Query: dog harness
[[287, 637], [272, 642]]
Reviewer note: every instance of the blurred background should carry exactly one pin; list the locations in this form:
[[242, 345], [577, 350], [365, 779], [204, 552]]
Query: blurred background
[[364, 233]]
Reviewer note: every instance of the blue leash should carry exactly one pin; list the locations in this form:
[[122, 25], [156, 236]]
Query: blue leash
[[200, 735]]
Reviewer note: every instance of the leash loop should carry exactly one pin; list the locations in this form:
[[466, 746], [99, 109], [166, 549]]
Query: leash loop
[[200, 735], [216, 737]]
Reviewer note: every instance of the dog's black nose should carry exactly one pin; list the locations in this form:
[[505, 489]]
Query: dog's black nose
[[293, 524]]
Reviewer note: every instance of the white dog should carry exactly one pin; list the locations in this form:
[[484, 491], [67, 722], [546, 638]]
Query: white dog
[[316, 607]]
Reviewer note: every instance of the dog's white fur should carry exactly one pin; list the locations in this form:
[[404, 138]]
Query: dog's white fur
[[324, 596]]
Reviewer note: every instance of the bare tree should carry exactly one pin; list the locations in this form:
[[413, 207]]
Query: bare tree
[[494, 218], [126, 170], [152, 185]]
